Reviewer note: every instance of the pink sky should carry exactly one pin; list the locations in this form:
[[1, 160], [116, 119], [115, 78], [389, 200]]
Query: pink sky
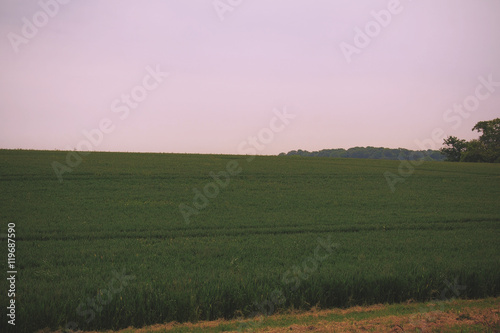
[[227, 76]]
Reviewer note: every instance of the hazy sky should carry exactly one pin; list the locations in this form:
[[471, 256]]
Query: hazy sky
[[65, 68]]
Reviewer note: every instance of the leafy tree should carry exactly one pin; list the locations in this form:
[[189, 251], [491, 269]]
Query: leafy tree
[[484, 149], [475, 152], [490, 139], [490, 130], [455, 148]]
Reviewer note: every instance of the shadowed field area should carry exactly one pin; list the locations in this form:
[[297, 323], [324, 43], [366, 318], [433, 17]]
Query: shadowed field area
[[451, 316]]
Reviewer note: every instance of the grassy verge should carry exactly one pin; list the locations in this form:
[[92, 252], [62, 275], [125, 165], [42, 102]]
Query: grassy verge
[[447, 316]]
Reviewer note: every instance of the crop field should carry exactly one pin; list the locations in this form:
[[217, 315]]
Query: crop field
[[132, 239]]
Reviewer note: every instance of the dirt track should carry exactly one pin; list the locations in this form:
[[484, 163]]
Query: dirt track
[[484, 320]]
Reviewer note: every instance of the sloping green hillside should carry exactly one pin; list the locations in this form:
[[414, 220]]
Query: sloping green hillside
[[135, 239]]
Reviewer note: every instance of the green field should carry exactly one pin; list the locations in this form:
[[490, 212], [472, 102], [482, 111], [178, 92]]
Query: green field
[[108, 247]]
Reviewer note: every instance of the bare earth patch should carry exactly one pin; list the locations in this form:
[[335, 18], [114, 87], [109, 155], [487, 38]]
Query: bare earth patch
[[487, 320]]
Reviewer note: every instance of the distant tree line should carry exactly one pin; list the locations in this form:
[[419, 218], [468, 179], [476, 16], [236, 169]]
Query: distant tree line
[[373, 153], [485, 149]]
